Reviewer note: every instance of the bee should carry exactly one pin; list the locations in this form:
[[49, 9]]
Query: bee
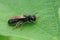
[[19, 20]]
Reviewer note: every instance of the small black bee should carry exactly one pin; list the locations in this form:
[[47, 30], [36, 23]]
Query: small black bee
[[18, 20]]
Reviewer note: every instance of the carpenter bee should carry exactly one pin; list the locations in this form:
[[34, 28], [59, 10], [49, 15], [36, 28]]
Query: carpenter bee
[[19, 20]]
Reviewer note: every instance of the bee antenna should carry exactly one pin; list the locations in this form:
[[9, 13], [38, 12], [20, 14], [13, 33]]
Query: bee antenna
[[35, 13]]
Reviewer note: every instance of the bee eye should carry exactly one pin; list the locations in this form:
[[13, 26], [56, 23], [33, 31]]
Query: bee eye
[[33, 18]]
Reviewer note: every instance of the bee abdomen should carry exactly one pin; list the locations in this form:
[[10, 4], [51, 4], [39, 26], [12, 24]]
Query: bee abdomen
[[12, 21]]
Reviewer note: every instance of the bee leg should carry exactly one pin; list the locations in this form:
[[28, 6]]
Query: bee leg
[[17, 24], [32, 21], [21, 26]]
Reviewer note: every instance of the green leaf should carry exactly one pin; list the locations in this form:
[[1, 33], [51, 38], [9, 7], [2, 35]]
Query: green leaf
[[4, 37], [46, 27], [59, 23]]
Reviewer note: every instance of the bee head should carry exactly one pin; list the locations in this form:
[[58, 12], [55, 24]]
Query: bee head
[[30, 17], [33, 17]]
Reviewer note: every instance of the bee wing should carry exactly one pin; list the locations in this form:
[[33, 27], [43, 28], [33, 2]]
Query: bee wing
[[14, 17], [21, 17]]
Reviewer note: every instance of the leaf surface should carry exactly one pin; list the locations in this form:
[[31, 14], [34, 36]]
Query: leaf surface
[[46, 27]]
